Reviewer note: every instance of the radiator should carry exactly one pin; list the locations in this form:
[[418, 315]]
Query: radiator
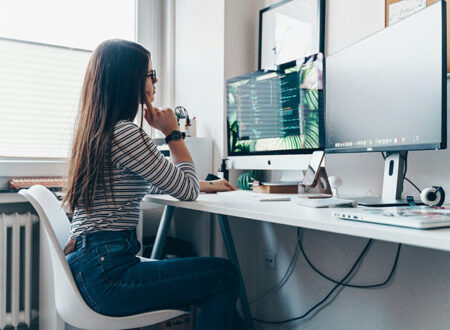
[[16, 269]]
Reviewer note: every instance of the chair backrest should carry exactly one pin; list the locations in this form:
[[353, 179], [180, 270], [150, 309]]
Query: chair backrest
[[55, 215], [69, 303]]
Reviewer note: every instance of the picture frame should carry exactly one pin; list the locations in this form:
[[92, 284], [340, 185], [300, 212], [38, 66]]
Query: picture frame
[[289, 30]]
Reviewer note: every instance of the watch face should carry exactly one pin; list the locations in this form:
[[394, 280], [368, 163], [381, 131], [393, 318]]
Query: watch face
[[176, 135]]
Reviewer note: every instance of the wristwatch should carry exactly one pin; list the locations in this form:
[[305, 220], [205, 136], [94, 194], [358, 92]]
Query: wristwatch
[[174, 136]]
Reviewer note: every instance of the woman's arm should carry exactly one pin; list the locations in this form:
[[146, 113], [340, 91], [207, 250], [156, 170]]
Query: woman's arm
[[133, 151], [205, 186]]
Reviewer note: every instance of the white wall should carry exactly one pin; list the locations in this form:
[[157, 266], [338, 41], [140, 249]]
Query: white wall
[[199, 63], [217, 39]]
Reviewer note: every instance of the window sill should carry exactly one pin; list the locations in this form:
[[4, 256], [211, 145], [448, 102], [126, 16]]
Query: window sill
[[24, 167], [9, 198]]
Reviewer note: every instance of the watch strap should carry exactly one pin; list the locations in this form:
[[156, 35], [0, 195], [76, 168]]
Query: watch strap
[[175, 135]]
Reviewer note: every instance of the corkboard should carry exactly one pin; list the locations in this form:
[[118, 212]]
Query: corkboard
[[429, 2]]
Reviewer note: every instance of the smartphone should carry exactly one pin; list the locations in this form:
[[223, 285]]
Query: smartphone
[[312, 172]]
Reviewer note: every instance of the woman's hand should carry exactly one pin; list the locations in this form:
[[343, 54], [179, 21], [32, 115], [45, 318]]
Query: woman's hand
[[161, 119], [215, 186]]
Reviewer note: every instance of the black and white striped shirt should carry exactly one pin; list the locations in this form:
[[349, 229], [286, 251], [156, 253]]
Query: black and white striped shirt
[[137, 170]]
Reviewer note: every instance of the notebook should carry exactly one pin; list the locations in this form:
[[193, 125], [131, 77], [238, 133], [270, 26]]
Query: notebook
[[419, 217]]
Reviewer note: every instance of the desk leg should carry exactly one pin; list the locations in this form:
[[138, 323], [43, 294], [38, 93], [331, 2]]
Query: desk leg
[[231, 250], [163, 228]]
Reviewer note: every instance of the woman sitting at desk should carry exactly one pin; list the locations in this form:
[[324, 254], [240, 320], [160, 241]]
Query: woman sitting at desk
[[113, 165]]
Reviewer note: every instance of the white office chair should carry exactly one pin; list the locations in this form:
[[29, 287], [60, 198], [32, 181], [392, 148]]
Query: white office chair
[[69, 303]]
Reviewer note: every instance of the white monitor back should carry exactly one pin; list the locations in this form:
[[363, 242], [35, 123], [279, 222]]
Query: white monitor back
[[387, 92], [269, 162]]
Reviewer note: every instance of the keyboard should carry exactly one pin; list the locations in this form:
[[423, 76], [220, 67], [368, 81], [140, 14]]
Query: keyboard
[[251, 195]]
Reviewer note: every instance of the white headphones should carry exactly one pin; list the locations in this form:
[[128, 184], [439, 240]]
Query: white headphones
[[434, 196]]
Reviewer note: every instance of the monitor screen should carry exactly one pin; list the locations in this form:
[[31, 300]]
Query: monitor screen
[[277, 112], [289, 30], [388, 91]]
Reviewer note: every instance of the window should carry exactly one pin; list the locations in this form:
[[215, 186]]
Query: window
[[45, 46], [39, 92]]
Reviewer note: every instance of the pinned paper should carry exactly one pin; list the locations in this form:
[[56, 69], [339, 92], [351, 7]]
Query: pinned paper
[[404, 8]]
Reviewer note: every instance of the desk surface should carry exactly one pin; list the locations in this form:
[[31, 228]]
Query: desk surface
[[288, 213]]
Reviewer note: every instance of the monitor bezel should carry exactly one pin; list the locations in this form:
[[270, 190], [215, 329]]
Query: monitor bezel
[[321, 25], [405, 147]]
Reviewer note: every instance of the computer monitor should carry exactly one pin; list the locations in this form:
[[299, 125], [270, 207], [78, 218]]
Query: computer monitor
[[289, 30], [275, 117], [387, 93]]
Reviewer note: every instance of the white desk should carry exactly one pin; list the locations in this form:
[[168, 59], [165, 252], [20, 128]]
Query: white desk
[[286, 213]]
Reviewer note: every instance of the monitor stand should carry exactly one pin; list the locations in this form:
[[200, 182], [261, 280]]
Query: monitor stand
[[394, 166]]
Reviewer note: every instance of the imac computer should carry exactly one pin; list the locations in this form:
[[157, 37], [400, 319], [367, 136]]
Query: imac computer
[[275, 117], [388, 93]]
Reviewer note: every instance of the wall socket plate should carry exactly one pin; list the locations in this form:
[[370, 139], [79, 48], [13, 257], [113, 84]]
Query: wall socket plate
[[270, 260]]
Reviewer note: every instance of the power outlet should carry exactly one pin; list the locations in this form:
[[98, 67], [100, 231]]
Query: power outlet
[[270, 260]]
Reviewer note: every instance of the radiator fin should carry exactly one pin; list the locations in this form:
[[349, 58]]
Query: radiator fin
[[15, 308]]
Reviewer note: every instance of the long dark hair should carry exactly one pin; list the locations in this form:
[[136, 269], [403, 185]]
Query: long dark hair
[[113, 89]]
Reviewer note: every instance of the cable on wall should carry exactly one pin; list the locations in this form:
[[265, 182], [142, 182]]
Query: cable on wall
[[320, 303], [358, 286], [338, 283]]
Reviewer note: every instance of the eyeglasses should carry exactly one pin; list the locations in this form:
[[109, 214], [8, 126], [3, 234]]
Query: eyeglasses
[[152, 75]]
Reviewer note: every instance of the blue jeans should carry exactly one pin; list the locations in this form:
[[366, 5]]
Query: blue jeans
[[113, 281]]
